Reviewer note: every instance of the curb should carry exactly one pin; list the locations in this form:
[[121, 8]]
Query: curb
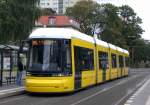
[[12, 92]]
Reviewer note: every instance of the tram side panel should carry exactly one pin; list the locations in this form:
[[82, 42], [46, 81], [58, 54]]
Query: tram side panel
[[99, 72], [114, 70], [120, 64], [103, 64], [84, 65], [126, 65]]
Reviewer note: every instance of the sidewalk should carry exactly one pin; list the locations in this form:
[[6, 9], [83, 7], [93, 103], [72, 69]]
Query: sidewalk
[[10, 90], [141, 96]]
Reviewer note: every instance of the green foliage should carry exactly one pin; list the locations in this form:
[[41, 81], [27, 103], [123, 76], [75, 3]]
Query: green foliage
[[116, 25], [100, 19], [140, 51], [88, 13], [112, 26], [17, 19], [47, 12], [131, 29]]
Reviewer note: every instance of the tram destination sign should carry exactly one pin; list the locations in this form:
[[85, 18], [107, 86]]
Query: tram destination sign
[[42, 42]]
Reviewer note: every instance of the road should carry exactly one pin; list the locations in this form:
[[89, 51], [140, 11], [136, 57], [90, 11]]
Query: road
[[111, 93]]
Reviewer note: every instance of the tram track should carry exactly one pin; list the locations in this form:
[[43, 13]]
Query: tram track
[[110, 93]]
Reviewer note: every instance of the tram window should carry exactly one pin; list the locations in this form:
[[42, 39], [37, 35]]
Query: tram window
[[126, 61], [121, 61], [103, 60], [52, 57], [84, 58], [113, 60]]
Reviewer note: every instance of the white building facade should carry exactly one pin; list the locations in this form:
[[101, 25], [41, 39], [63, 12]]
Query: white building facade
[[57, 5]]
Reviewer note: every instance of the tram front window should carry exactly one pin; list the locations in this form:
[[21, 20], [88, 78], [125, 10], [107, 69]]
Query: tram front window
[[50, 57]]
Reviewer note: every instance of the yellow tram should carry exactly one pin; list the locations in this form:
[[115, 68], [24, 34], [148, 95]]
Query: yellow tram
[[65, 60]]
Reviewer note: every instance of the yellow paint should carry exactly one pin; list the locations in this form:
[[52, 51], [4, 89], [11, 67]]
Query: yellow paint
[[81, 43], [100, 72], [114, 71], [66, 84], [88, 78], [118, 68], [49, 84], [100, 79], [119, 72], [108, 75], [126, 69]]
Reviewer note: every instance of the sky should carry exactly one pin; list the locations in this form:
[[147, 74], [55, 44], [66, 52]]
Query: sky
[[141, 7]]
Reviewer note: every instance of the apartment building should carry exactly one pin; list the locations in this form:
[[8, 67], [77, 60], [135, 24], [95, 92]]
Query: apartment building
[[57, 5]]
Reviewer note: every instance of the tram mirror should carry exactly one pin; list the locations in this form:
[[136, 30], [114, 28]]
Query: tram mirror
[[66, 42], [24, 45]]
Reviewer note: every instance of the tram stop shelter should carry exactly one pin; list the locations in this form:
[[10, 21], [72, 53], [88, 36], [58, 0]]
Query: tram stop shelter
[[8, 63]]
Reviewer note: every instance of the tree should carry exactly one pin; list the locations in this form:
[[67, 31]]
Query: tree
[[3, 13], [112, 26], [117, 25], [140, 52], [47, 11], [131, 29], [102, 19], [17, 19], [88, 13]]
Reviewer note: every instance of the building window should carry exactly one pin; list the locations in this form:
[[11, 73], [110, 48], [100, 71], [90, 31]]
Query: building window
[[52, 20], [55, 9], [54, 3], [60, 6], [60, 11], [66, 2], [113, 60], [42, 4], [84, 58], [103, 60]]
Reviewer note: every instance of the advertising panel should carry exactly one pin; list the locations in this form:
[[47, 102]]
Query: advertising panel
[[6, 63]]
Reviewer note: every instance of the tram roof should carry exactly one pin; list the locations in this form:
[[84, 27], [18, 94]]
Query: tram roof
[[68, 33], [102, 43], [59, 33], [120, 49], [112, 46], [125, 51]]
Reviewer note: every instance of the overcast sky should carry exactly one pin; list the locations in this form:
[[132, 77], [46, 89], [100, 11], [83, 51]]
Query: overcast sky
[[141, 7]]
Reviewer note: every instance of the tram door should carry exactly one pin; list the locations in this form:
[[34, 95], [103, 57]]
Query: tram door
[[104, 70], [121, 64], [78, 69], [103, 62]]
